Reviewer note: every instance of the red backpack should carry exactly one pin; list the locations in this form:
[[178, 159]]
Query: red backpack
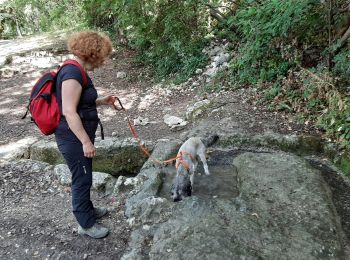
[[43, 105]]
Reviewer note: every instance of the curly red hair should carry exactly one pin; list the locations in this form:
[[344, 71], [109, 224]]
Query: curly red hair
[[90, 46]]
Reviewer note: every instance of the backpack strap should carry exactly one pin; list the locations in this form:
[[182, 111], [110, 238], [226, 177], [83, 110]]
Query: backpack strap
[[82, 71]]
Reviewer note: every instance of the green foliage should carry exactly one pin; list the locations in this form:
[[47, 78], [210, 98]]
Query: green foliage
[[169, 34], [21, 17], [341, 68], [102, 14], [10, 18], [272, 92], [344, 164], [271, 31], [313, 95], [61, 15], [336, 118]]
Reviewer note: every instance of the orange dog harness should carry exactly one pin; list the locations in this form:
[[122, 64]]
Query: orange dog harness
[[182, 161]]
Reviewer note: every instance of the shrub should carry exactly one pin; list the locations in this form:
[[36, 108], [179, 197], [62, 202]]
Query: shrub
[[341, 69], [19, 17], [101, 14], [169, 34], [273, 33]]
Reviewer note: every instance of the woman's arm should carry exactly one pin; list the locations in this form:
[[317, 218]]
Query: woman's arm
[[71, 92]]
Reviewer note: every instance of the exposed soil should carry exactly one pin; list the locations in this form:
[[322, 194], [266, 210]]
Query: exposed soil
[[36, 221], [36, 218]]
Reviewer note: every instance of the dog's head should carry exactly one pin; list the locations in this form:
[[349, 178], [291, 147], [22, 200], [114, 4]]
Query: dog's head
[[181, 187]]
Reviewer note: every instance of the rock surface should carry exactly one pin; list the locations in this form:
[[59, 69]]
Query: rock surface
[[115, 156], [280, 208]]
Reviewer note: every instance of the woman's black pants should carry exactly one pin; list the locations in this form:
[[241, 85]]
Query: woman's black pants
[[81, 170]]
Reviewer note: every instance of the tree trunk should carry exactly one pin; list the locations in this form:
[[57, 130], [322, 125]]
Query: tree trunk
[[330, 34], [19, 33]]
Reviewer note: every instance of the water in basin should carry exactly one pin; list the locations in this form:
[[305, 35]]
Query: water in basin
[[221, 183]]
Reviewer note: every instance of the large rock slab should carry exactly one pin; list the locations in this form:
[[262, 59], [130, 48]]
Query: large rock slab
[[119, 157], [17, 150], [279, 208], [46, 151], [30, 166], [114, 156]]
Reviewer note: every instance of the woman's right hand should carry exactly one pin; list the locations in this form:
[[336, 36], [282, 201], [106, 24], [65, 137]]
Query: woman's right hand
[[89, 150]]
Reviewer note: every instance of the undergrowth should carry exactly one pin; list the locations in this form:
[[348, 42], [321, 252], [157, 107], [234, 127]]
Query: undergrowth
[[314, 97]]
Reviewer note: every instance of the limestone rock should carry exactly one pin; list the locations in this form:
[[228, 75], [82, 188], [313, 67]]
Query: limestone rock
[[141, 121], [63, 174], [100, 181], [103, 182], [175, 122], [17, 150], [46, 151], [121, 75], [194, 111], [114, 156], [127, 185], [27, 165]]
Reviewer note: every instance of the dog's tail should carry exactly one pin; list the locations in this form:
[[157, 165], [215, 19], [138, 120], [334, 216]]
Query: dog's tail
[[210, 140]]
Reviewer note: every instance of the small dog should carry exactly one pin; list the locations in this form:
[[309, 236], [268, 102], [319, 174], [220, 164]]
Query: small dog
[[186, 164]]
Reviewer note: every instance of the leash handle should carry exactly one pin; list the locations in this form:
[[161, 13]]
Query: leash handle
[[120, 103]]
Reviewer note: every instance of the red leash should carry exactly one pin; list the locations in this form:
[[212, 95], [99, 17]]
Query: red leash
[[142, 147]]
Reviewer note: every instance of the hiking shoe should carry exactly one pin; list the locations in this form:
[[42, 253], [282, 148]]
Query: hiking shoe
[[100, 212], [96, 231]]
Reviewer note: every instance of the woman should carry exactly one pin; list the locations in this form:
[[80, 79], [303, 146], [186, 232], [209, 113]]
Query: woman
[[75, 134]]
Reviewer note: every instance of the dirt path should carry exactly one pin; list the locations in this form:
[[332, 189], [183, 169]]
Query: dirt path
[[36, 220], [36, 217]]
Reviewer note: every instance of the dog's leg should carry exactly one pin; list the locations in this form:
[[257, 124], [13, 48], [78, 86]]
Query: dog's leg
[[194, 165], [204, 161], [192, 180]]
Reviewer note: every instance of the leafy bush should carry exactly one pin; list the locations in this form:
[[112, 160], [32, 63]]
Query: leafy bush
[[314, 96], [272, 34], [341, 68], [168, 34], [101, 14], [336, 117], [24, 17]]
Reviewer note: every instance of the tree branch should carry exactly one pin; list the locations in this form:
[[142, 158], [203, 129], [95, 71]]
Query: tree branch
[[216, 13], [342, 41]]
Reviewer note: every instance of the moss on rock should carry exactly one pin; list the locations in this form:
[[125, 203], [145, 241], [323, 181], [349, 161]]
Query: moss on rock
[[344, 163]]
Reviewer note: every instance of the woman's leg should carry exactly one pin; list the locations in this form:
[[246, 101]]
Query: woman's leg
[[81, 170]]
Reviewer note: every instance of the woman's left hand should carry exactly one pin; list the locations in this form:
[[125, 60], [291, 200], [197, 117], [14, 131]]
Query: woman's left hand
[[109, 100]]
